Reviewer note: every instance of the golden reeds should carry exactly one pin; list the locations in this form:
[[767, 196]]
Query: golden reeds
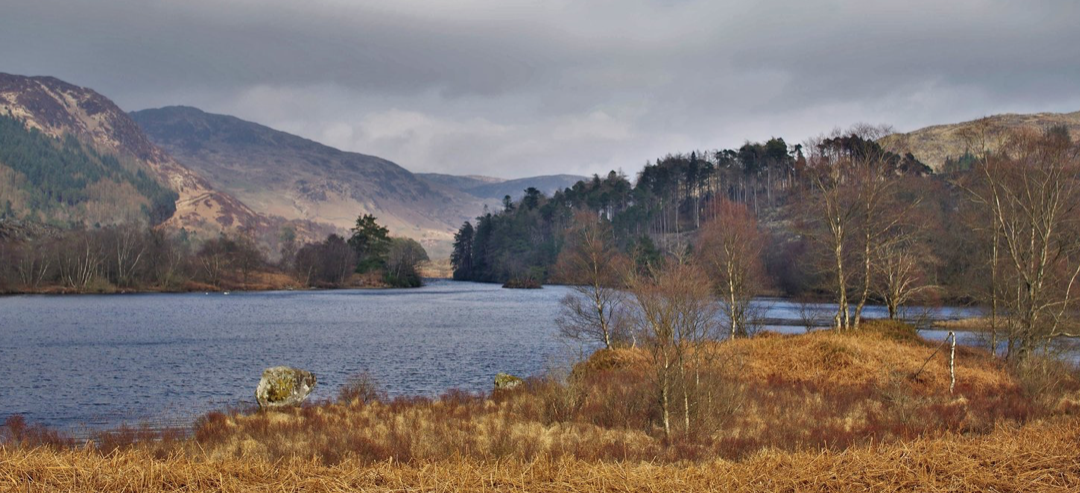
[[1037, 457]]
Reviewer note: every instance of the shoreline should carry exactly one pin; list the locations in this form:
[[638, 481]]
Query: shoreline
[[196, 287], [978, 325], [835, 410]]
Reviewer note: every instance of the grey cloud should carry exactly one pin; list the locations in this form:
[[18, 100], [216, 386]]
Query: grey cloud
[[513, 88]]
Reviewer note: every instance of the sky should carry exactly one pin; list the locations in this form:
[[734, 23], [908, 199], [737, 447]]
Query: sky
[[515, 88]]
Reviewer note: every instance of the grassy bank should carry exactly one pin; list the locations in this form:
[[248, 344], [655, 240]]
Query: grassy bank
[[984, 324], [1037, 457], [821, 411]]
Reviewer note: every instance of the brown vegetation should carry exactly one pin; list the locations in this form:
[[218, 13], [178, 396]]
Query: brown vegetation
[[594, 268], [1039, 457], [137, 258], [1025, 201], [816, 411], [729, 247], [939, 144]]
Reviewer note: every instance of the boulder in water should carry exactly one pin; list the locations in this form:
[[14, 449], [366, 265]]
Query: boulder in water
[[506, 381], [283, 386]]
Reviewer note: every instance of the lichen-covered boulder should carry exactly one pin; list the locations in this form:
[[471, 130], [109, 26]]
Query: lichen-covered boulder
[[506, 381], [283, 386]]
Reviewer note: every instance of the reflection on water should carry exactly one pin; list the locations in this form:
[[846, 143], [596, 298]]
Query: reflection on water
[[90, 361]]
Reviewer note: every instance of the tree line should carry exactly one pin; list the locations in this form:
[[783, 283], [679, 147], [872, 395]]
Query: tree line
[[136, 257], [840, 218]]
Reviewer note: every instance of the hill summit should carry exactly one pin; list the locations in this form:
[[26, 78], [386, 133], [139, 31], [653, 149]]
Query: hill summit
[[938, 144]]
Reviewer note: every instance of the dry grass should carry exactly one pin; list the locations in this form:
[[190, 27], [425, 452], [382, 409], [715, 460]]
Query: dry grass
[[810, 412], [438, 268], [871, 357], [932, 145], [790, 393], [971, 324], [983, 324], [1038, 457]]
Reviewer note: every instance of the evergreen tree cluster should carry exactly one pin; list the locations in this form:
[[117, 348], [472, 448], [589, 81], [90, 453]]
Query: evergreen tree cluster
[[58, 172], [671, 197], [370, 249]]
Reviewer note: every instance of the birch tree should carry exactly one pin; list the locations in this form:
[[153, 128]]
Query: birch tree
[[1031, 192], [730, 249], [676, 320], [594, 268]]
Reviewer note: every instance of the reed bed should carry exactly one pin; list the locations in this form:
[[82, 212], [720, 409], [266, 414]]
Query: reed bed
[[1037, 457]]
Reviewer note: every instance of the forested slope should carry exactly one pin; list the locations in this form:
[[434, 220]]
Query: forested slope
[[65, 181]]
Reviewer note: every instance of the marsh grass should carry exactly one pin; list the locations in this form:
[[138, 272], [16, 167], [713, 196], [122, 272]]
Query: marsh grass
[[780, 407], [1038, 457]]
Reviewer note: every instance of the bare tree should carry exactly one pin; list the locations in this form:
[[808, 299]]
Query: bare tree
[[127, 245], [730, 248], [832, 212], [213, 258], [900, 273], [169, 257], [245, 255], [874, 186], [33, 264], [854, 207], [79, 260], [594, 268], [981, 140], [676, 314], [1031, 190], [329, 262], [8, 258], [289, 246], [403, 260]]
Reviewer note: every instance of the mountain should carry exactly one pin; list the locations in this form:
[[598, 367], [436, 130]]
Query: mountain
[[285, 175], [459, 182], [936, 144], [73, 156], [494, 188]]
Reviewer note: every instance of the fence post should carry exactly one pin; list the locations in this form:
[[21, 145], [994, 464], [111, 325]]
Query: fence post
[[952, 362]]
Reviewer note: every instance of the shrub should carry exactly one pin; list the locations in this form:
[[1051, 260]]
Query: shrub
[[1045, 379], [362, 389], [17, 432]]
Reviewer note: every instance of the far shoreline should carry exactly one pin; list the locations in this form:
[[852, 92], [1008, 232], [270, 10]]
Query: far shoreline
[[192, 288]]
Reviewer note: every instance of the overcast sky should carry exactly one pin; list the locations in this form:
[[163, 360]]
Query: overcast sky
[[514, 88]]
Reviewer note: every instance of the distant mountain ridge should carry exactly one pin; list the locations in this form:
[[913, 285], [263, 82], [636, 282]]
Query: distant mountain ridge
[[459, 182], [285, 175], [936, 144], [496, 188]]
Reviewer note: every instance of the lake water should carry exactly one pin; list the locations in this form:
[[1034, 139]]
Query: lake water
[[85, 362], [91, 361]]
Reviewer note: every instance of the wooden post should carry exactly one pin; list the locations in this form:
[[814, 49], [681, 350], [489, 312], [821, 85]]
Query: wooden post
[[952, 362]]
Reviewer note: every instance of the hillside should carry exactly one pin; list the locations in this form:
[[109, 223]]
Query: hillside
[[459, 182], [495, 189], [66, 182], [285, 175], [79, 143], [935, 144]]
